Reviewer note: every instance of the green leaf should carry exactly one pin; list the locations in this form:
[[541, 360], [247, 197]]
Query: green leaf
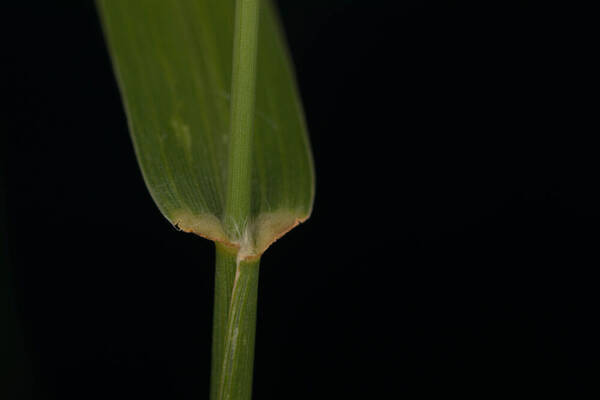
[[173, 61]]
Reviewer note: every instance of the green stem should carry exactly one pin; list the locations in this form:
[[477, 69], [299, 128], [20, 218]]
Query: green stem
[[243, 96], [236, 281]]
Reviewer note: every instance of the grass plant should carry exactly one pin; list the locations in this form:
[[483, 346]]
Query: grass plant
[[220, 137]]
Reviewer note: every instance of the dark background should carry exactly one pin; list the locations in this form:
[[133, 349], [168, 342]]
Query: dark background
[[453, 247]]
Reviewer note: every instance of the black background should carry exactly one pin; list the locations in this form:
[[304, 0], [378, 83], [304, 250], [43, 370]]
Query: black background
[[453, 247]]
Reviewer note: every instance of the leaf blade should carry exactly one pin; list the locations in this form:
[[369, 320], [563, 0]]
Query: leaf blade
[[173, 64]]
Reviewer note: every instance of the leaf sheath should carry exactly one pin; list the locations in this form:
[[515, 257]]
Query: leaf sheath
[[225, 267], [238, 358]]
